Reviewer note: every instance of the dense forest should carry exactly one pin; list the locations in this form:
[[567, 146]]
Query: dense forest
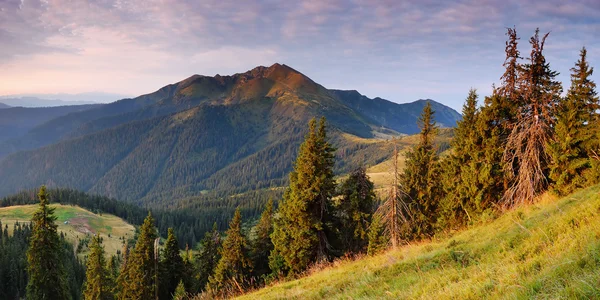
[[526, 139]]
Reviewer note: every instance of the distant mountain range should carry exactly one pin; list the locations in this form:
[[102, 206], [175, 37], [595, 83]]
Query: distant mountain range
[[221, 135], [49, 100]]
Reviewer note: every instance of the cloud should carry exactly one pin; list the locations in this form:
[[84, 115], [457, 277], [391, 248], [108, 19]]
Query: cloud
[[135, 46]]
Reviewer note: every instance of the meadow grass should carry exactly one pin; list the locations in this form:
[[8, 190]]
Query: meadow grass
[[81, 224], [550, 249]]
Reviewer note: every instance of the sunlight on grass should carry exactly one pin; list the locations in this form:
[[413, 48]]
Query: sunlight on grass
[[547, 250], [80, 224]]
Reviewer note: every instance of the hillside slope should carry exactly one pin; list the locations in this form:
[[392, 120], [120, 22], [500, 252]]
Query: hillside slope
[[2, 105], [76, 224], [547, 250]]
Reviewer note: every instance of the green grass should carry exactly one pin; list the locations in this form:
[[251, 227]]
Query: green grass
[[547, 250], [81, 223]]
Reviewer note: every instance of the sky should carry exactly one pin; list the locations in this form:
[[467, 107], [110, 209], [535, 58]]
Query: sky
[[397, 50]]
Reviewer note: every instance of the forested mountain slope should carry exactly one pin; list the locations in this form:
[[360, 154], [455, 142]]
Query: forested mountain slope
[[204, 134], [17, 121]]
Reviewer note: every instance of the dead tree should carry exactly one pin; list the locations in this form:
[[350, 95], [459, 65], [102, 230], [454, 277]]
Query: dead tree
[[525, 157], [395, 213]]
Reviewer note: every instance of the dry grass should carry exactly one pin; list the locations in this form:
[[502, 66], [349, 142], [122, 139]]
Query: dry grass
[[550, 249]]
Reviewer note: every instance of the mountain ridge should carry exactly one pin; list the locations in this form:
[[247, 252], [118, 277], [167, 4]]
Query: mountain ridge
[[224, 134]]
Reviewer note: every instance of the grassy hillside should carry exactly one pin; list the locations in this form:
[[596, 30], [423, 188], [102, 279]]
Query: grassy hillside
[[79, 224], [547, 250]]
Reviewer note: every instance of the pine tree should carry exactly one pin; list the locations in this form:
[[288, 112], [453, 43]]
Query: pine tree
[[355, 210], [302, 229], [98, 285], [525, 155], [378, 241], [234, 265], [123, 275], [462, 194], [189, 271], [262, 244], [171, 266], [576, 137], [180, 293], [208, 257], [47, 276], [141, 265], [421, 178]]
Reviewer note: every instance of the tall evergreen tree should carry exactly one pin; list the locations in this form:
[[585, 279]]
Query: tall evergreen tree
[[573, 150], [302, 229], [355, 210], [525, 154], [208, 256], [234, 265], [261, 243], [171, 267], [421, 177], [141, 265], [98, 285], [47, 276], [462, 187]]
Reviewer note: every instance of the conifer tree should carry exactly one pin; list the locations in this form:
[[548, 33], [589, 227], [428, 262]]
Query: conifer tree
[[576, 132], [302, 229], [378, 241], [189, 271], [462, 193], [262, 244], [421, 178], [47, 276], [208, 257], [234, 265], [123, 275], [525, 155], [171, 266], [98, 285], [141, 265], [355, 210], [180, 293]]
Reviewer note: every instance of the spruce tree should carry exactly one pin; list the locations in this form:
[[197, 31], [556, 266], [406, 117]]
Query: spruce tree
[[234, 265], [421, 178], [378, 241], [525, 155], [460, 177], [208, 256], [141, 265], [576, 133], [47, 276], [98, 284], [262, 244], [171, 266], [302, 229], [355, 210], [180, 293]]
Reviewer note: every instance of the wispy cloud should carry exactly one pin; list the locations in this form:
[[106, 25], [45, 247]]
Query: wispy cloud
[[401, 50]]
